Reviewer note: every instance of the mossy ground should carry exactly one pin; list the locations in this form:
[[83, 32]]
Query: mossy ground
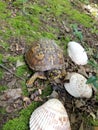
[[22, 122], [30, 21]]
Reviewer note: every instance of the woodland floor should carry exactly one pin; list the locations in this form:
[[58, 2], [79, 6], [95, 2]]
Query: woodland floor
[[24, 21]]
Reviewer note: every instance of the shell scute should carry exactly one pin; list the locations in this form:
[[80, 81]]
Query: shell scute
[[44, 55]]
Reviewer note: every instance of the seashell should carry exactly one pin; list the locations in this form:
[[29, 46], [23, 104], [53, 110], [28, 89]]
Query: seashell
[[77, 86], [77, 53], [50, 116]]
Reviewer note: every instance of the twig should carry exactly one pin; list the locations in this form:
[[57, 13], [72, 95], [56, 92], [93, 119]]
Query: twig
[[4, 67]]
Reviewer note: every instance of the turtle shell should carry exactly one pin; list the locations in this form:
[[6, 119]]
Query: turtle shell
[[45, 55]]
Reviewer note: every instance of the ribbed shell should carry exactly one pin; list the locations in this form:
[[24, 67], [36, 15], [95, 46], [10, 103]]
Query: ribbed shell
[[44, 55], [77, 86], [77, 53], [50, 116]]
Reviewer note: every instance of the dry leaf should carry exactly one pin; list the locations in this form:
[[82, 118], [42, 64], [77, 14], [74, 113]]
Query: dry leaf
[[81, 126]]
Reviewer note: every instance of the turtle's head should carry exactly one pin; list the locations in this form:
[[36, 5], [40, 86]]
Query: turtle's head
[[55, 74]]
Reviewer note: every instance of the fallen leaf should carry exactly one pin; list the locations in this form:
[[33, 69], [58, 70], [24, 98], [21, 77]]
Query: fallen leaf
[[81, 126], [96, 128]]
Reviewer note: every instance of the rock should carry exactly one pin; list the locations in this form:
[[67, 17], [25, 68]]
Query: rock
[[11, 94]]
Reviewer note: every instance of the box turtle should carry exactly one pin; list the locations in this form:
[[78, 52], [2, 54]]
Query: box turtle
[[46, 58]]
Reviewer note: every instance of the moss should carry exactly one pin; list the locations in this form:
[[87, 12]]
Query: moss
[[94, 30], [1, 73], [29, 26], [24, 88], [14, 59], [4, 45], [34, 9], [47, 91], [67, 39], [48, 35], [19, 3], [2, 88], [21, 70], [92, 121], [1, 57], [25, 25], [21, 26], [2, 6], [2, 111], [2, 9], [65, 7], [4, 12], [64, 44], [80, 17], [21, 123]]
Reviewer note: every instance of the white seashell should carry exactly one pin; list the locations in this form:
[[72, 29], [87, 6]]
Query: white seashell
[[77, 53], [50, 116], [77, 86]]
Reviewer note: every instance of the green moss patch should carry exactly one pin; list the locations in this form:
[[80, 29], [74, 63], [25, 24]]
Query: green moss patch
[[21, 70], [21, 123], [27, 21], [2, 88], [65, 7], [2, 111], [4, 13], [1, 73], [24, 88], [13, 59], [1, 58], [47, 91]]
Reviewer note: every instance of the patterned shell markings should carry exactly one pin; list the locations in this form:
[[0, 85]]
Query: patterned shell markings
[[45, 55]]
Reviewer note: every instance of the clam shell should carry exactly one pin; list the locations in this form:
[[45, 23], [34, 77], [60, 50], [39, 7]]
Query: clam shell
[[77, 53], [50, 116], [77, 86]]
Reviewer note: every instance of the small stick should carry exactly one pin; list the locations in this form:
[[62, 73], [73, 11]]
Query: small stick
[[4, 67]]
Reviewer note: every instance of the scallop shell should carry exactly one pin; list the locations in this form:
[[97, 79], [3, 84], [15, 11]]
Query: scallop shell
[[77, 86], [50, 116], [77, 53]]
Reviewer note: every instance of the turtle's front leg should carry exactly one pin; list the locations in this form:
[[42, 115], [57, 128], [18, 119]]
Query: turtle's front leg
[[36, 75]]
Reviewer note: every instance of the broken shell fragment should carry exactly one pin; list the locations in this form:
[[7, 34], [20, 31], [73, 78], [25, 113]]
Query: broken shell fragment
[[77, 53], [77, 86], [50, 116]]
